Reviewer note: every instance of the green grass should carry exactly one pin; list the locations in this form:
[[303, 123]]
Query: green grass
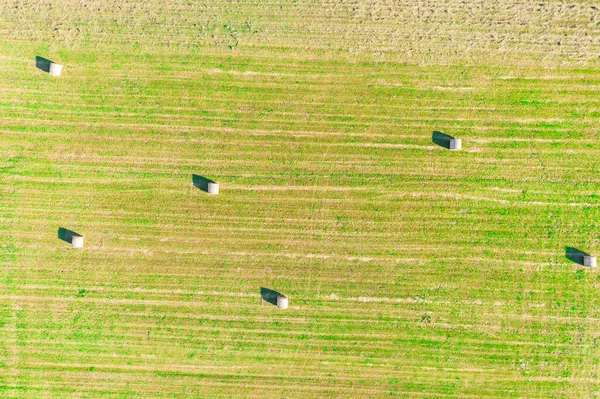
[[412, 271]]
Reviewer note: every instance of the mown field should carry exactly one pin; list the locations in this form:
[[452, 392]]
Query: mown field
[[412, 271]]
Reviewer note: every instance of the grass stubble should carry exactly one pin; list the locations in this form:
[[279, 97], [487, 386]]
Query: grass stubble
[[412, 271]]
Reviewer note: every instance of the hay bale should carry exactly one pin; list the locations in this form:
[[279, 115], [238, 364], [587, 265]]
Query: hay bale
[[282, 302], [213, 188], [589, 261], [77, 241], [55, 69], [455, 144]]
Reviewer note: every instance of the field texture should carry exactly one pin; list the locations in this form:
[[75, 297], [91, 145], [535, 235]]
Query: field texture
[[412, 271]]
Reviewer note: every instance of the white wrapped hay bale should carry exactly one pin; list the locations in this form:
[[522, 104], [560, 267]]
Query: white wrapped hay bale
[[77, 241], [589, 261], [282, 302], [213, 188], [55, 69], [455, 144]]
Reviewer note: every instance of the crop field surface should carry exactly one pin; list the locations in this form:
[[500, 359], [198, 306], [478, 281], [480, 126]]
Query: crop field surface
[[412, 271]]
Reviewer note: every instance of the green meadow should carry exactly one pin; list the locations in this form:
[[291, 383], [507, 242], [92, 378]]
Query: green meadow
[[411, 270]]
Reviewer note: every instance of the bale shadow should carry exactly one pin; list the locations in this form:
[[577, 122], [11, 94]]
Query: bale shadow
[[441, 139], [269, 295], [575, 255], [42, 63], [201, 182], [67, 235]]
